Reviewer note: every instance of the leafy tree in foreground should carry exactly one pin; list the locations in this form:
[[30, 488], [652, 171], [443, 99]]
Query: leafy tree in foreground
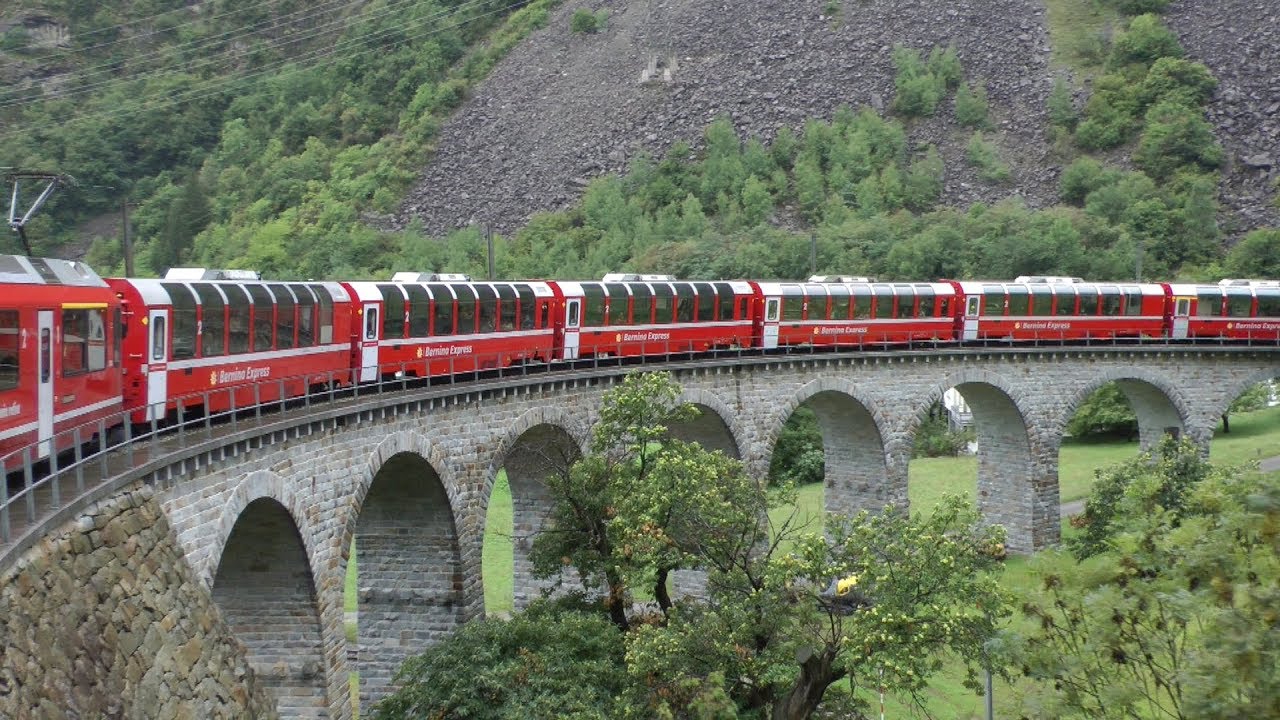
[[786, 614], [1172, 610]]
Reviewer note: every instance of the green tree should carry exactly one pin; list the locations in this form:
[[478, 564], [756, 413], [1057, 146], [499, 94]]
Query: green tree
[[1176, 137], [1104, 413], [1257, 255], [188, 215], [971, 106]]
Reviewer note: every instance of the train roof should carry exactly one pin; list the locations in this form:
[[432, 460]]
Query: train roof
[[739, 287], [1223, 289], [1071, 287], [796, 287], [153, 291], [22, 270], [368, 290]]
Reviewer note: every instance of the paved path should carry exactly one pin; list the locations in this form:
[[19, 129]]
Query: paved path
[[1075, 507]]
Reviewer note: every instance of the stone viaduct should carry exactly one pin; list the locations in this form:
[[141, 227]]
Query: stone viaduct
[[260, 517]]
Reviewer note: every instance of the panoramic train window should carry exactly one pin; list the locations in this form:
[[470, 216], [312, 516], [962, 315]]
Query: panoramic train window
[[641, 304], [906, 302], [992, 300], [419, 310], [1041, 300], [1210, 304], [487, 307], [593, 311], [84, 341], [861, 302], [237, 318], [1132, 301], [528, 302], [324, 314], [944, 306], [615, 311], [184, 320], [840, 303], [1268, 303], [10, 332], [1110, 300], [466, 309], [706, 293], [924, 302], [664, 299], [793, 308], [213, 320], [1019, 301], [685, 299], [442, 318], [1089, 301], [725, 300], [1239, 303], [306, 315], [286, 317], [264, 322], [506, 307], [1065, 300], [392, 310]]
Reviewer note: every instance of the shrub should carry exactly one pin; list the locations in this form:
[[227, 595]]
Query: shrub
[[1176, 136], [1139, 7], [585, 21], [1146, 41], [1062, 110], [1177, 80], [945, 66], [1081, 178], [971, 106], [918, 88], [982, 154]]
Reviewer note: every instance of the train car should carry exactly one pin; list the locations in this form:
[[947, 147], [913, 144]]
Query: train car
[[1234, 310], [855, 311], [1059, 309], [59, 355], [218, 340], [428, 325], [629, 315]]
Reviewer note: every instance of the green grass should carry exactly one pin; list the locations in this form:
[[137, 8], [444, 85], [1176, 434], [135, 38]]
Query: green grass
[[1078, 33], [498, 555]]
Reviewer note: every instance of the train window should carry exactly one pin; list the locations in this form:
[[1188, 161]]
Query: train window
[[1110, 300], [392, 310], [1210, 304], [1019, 301], [641, 304], [466, 309], [237, 319], [506, 307], [443, 316], [924, 302], [1132, 301], [744, 309], [686, 297], [616, 311], [158, 337], [993, 300], [840, 306], [264, 322], [1065, 301], [286, 316], [324, 314], [815, 301], [306, 315], [184, 320], [371, 323], [546, 313], [944, 306], [664, 299], [213, 320], [771, 309], [793, 308], [906, 302], [1239, 304], [487, 307], [528, 301], [593, 305], [419, 311], [1268, 302], [706, 293], [84, 341], [1041, 300], [726, 297], [46, 351], [1088, 301], [861, 303]]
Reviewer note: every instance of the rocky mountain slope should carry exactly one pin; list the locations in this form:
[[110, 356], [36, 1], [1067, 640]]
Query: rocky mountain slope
[[565, 106]]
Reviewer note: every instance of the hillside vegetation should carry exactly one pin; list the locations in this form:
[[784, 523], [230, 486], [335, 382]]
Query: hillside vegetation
[[900, 139]]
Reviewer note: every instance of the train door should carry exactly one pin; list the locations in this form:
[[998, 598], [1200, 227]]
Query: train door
[[772, 315], [971, 307], [369, 344], [157, 363], [572, 325], [1181, 317], [44, 395]]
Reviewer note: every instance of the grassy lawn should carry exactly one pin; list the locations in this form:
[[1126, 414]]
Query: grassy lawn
[[498, 552]]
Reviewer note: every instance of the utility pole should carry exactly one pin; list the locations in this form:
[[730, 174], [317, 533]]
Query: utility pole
[[488, 240], [126, 240]]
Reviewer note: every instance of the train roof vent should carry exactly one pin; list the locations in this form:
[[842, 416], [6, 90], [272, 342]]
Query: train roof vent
[[211, 274], [1240, 282], [430, 277], [47, 271], [636, 277], [1059, 279], [840, 279]]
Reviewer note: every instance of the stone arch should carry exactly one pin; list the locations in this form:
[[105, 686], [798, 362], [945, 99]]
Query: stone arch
[[715, 428], [854, 432], [1232, 388], [257, 485], [266, 591], [542, 441], [1017, 482], [410, 568], [1158, 403]]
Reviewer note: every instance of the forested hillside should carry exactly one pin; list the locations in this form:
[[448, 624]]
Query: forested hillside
[[902, 138]]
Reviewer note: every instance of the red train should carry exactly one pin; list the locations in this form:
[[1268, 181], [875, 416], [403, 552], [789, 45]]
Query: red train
[[77, 351]]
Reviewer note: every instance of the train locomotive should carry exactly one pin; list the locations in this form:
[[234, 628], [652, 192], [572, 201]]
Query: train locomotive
[[78, 351]]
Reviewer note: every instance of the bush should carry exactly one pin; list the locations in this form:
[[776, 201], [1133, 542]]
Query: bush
[[1176, 80], [1256, 256], [1139, 7], [918, 88], [982, 154], [1062, 109], [971, 106], [1146, 41], [1081, 178], [1105, 413], [1176, 136], [585, 21], [935, 438]]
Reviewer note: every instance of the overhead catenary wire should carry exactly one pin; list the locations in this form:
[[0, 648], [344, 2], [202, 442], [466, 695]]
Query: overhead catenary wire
[[214, 86], [205, 62]]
